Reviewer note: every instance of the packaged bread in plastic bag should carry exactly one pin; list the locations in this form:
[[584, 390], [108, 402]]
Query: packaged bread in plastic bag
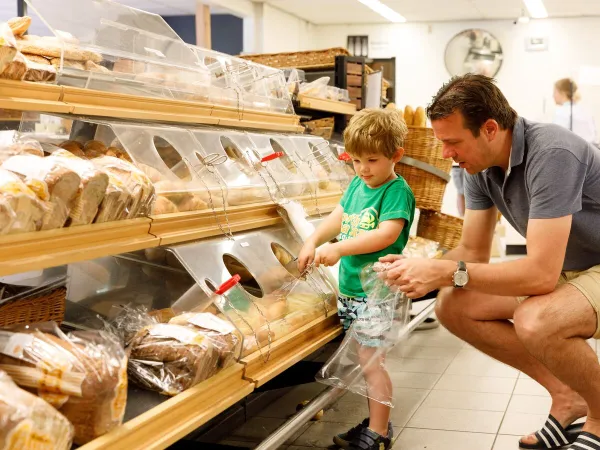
[[29, 423], [136, 182], [92, 187], [8, 48], [23, 147], [20, 208], [51, 181], [82, 374]]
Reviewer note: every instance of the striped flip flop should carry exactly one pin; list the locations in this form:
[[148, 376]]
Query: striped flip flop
[[553, 435], [586, 441]]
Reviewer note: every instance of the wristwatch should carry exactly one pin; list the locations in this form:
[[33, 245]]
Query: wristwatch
[[460, 277]]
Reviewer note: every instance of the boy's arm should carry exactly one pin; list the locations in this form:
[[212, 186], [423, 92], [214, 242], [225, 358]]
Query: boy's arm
[[367, 242], [325, 232]]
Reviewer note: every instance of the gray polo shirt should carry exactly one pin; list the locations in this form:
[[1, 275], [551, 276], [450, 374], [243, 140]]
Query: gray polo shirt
[[553, 173]]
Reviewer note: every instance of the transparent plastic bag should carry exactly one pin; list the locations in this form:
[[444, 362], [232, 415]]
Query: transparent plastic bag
[[22, 147], [51, 181], [8, 48], [133, 188], [28, 422], [82, 374], [92, 188], [317, 88], [20, 208], [358, 365]]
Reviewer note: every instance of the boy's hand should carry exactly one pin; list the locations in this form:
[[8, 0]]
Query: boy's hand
[[328, 255], [306, 256]]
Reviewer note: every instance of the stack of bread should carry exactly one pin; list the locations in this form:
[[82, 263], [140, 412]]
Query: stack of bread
[[82, 374], [75, 185]]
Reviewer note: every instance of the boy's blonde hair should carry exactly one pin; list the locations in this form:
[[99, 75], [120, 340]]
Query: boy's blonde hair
[[375, 131]]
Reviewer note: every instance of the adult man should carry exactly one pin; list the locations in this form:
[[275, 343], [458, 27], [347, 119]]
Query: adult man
[[546, 182]]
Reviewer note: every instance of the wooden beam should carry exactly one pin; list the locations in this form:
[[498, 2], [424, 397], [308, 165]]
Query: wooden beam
[[203, 30]]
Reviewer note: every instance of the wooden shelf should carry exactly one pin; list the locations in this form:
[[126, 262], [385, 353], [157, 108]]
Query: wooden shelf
[[41, 249], [291, 349], [27, 96], [38, 250], [173, 419], [321, 104]]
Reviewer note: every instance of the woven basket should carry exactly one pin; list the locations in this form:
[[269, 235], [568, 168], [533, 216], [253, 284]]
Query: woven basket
[[440, 227], [312, 59], [428, 188], [46, 306]]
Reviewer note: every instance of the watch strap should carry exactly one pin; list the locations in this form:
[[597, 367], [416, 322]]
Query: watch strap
[[462, 266]]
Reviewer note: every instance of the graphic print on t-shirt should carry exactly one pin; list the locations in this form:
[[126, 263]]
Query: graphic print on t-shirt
[[355, 224]]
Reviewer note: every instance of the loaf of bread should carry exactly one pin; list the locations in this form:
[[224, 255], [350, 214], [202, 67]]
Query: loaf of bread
[[51, 181], [171, 358], [222, 334], [420, 118], [93, 67], [91, 191], [24, 147], [67, 64], [52, 47], [116, 200], [28, 422], [19, 25], [163, 206], [137, 183], [20, 208], [247, 195], [76, 148], [82, 374], [409, 115], [38, 69], [15, 70]]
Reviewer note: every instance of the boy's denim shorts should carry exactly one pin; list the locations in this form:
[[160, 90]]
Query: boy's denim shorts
[[371, 321]]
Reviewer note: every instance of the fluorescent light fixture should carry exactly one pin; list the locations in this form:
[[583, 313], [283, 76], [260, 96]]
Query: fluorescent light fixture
[[384, 10], [536, 8]]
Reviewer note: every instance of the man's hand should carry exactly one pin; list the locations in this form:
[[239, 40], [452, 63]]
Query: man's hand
[[306, 256], [390, 258], [417, 276], [328, 255]]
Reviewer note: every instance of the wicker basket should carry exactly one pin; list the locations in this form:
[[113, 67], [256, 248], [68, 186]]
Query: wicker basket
[[428, 188], [440, 227], [46, 306], [312, 59]]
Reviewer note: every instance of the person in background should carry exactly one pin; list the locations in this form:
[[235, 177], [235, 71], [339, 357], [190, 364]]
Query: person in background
[[458, 177], [372, 220], [570, 114]]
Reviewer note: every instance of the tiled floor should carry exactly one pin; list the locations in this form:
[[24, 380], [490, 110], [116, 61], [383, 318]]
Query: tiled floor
[[449, 396]]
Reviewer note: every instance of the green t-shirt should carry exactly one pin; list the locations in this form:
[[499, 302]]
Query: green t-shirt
[[364, 209]]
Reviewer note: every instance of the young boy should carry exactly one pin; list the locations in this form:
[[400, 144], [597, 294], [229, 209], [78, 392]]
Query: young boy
[[373, 219]]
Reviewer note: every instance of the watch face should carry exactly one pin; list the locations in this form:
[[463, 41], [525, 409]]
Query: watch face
[[461, 278]]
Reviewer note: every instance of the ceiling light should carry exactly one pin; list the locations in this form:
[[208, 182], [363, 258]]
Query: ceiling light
[[384, 10], [536, 8]]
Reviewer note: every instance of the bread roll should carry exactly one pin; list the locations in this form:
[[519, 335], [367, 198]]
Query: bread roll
[[163, 205], [19, 25], [409, 115], [192, 204], [420, 118]]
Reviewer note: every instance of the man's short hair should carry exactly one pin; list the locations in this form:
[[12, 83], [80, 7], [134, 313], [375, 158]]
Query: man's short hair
[[375, 131], [477, 98]]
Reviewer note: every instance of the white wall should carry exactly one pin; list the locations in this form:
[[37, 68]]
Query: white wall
[[283, 32], [526, 78]]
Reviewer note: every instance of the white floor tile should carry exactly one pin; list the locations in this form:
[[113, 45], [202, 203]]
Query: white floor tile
[[423, 352], [456, 420], [439, 337], [518, 424], [466, 383], [530, 404], [414, 380], [417, 365], [474, 401], [474, 363], [527, 386], [413, 439], [504, 442]]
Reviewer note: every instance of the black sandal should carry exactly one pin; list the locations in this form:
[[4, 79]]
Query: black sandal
[[553, 435], [586, 441]]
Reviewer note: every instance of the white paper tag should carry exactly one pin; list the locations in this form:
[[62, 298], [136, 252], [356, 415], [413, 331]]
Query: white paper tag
[[211, 322], [13, 344], [178, 332], [244, 244]]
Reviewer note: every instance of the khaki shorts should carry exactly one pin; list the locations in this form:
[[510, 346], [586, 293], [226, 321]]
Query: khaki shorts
[[588, 283]]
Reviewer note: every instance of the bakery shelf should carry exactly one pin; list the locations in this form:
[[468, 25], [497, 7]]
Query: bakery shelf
[[171, 420], [189, 226], [41, 249], [28, 96], [322, 104], [291, 349]]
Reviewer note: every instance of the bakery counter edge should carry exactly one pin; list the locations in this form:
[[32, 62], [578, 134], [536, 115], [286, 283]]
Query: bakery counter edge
[[42, 249], [29, 96]]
